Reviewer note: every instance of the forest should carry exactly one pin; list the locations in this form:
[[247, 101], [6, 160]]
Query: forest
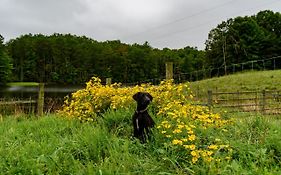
[[71, 59]]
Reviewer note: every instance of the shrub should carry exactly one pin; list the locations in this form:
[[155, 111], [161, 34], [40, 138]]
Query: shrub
[[182, 126]]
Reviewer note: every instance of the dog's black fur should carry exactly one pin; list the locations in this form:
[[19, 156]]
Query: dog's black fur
[[141, 119]]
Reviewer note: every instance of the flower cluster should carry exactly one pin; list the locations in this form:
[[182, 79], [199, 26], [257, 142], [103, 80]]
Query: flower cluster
[[85, 104], [181, 124], [184, 123]]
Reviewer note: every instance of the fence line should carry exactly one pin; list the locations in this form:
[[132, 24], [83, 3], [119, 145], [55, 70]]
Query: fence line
[[16, 102], [23, 102], [193, 76], [265, 102], [264, 64]]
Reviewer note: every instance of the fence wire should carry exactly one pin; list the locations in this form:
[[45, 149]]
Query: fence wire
[[265, 102]]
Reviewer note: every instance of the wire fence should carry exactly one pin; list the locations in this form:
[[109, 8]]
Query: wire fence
[[273, 63], [265, 102], [254, 65], [33, 103], [218, 99]]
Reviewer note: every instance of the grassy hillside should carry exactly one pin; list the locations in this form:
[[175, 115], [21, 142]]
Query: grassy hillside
[[247, 81]]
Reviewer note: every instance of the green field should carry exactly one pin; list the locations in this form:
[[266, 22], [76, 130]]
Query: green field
[[55, 145], [247, 81], [249, 90]]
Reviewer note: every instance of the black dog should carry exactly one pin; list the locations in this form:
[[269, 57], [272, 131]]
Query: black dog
[[141, 119]]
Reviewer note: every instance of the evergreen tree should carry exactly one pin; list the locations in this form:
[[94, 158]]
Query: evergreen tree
[[5, 64]]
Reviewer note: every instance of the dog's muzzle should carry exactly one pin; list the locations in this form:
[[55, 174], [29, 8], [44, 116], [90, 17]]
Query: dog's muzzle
[[146, 100]]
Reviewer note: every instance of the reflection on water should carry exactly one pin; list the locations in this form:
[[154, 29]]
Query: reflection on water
[[58, 91], [53, 98]]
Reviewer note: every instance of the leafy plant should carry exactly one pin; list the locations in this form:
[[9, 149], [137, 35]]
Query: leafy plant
[[182, 125]]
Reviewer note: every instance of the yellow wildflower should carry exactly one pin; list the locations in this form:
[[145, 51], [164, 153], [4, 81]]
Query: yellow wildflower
[[171, 103], [184, 140], [208, 159], [190, 132], [194, 153], [214, 147], [191, 147], [194, 159], [176, 131], [191, 137], [180, 126], [209, 153], [176, 142]]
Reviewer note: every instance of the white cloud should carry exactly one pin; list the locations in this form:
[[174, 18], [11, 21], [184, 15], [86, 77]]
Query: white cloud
[[164, 23]]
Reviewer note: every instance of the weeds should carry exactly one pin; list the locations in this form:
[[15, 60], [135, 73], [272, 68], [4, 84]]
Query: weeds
[[187, 139], [54, 145]]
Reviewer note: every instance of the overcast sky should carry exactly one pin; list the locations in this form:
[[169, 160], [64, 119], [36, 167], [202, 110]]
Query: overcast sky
[[163, 23]]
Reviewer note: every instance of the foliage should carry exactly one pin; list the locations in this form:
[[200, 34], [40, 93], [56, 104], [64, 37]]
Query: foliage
[[243, 39], [71, 59], [5, 64], [183, 126]]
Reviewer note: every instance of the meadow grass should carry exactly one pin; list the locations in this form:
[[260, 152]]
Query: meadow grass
[[246, 81], [55, 145]]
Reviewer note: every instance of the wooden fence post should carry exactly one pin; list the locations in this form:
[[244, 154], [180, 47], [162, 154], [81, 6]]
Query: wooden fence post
[[256, 102], [169, 70], [238, 99], [40, 103], [108, 81], [210, 99], [263, 101]]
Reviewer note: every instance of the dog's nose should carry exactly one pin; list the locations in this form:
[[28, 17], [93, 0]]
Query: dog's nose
[[147, 99]]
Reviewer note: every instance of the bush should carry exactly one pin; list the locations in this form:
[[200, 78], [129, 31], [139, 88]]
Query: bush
[[181, 125]]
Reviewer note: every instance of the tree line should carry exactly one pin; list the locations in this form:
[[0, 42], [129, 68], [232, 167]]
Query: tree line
[[5, 63], [244, 39], [71, 59]]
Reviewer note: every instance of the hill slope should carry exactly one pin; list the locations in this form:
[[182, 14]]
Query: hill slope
[[247, 81]]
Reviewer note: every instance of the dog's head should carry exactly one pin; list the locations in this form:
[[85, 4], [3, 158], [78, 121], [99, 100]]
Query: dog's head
[[143, 98]]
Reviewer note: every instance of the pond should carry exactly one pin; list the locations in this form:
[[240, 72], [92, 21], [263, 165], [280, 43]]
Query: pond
[[53, 97], [55, 91]]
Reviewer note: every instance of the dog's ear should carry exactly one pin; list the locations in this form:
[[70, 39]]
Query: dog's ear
[[136, 96], [149, 96]]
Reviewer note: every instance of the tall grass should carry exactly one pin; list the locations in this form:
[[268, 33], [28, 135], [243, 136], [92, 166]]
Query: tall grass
[[53, 145], [246, 81]]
